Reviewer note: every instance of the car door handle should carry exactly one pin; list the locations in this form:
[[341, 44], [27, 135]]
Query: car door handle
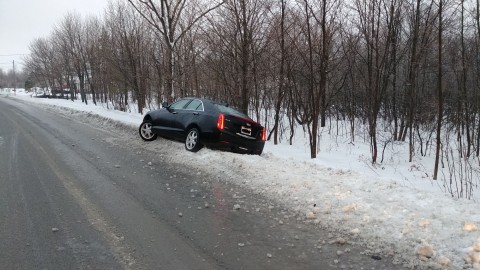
[[174, 112], [195, 113]]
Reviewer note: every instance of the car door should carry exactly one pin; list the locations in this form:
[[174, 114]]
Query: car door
[[188, 115], [169, 118]]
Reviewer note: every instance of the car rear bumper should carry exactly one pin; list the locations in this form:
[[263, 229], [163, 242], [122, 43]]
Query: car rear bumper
[[235, 143]]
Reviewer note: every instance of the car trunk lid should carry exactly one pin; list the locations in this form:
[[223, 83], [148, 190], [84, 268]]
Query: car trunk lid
[[243, 127]]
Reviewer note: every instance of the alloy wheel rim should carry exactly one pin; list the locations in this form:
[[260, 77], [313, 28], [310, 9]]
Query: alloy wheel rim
[[192, 139], [147, 131]]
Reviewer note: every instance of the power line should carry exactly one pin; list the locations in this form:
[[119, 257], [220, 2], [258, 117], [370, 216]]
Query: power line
[[14, 54]]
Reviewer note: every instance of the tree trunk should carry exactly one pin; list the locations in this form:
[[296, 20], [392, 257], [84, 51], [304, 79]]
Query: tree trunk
[[440, 91], [411, 81], [464, 83], [322, 95], [281, 94], [81, 78]]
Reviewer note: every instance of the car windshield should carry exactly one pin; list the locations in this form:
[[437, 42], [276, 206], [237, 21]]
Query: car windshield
[[227, 110]]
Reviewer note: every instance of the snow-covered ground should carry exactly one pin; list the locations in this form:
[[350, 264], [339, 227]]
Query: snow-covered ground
[[394, 208]]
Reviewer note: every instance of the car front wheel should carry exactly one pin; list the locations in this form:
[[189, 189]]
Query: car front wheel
[[192, 142], [146, 132]]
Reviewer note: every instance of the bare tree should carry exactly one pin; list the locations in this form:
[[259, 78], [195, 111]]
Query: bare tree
[[165, 16], [281, 75], [378, 31], [40, 61], [70, 40], [131, 54], [314, 44]]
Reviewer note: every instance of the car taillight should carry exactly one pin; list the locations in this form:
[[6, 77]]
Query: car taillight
[[221, 121], [264, 134]]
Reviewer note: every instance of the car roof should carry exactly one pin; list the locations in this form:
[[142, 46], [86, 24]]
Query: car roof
[[208, 100]]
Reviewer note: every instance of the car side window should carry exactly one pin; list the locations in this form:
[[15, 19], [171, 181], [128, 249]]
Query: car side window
[[195, 105], [179, 104], [229, 110]]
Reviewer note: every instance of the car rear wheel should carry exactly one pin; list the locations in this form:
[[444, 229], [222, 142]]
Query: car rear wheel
[[192, 142], [146, 132]]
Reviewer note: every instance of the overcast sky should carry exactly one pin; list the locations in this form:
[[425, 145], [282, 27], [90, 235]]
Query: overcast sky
[[21, 21]]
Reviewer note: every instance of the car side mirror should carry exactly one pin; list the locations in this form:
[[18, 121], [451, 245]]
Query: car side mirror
[[165, 105]]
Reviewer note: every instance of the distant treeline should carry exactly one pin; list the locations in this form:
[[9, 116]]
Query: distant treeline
[[11, 79]]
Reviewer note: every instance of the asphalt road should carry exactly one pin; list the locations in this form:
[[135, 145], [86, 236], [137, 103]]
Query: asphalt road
[[78, 196]]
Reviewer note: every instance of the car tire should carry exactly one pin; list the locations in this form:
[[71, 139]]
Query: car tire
[[146, 132], [192, 142]]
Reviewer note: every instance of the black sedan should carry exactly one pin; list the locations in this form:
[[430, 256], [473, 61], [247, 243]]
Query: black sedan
[[200, 122]]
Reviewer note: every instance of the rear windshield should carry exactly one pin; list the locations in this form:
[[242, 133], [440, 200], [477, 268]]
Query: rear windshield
[[227, 110]]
